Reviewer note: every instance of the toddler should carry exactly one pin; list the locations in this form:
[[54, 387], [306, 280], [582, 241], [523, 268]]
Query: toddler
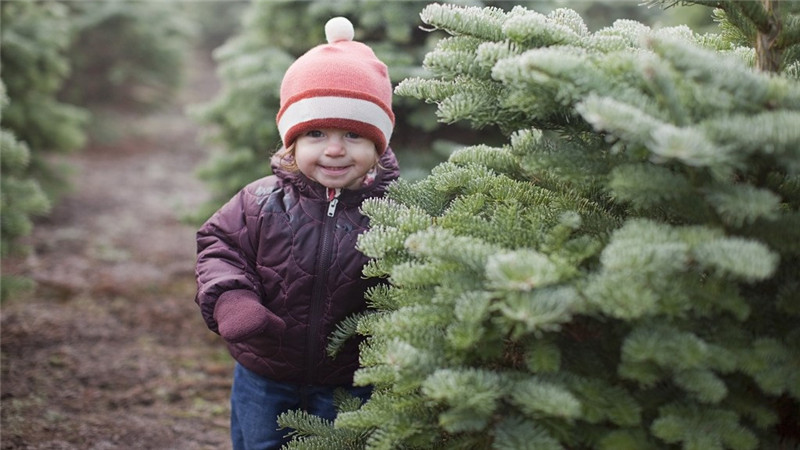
[[277, 268]]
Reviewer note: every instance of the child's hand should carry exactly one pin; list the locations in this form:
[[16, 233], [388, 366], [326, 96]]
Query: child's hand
[[240, 316]]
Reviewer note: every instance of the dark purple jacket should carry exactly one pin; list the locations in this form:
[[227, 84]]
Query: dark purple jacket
[[276, 242]]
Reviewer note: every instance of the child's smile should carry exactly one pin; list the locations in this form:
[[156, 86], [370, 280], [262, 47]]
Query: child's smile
[[335, 158]]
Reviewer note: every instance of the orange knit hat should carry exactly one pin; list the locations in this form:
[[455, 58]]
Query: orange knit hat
[[341, 84]]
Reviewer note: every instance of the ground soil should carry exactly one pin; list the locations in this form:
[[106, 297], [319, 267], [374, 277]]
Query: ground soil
[[109, 351]]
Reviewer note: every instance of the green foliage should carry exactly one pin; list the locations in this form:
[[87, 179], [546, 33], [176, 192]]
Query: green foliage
[[306, 429], [126, 53], [21, 199], [21, 196], [773, 28], [216, 22], [623, 273], [34, 39]]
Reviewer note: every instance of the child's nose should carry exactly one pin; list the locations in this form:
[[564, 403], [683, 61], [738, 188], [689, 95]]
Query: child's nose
[[335, 145]]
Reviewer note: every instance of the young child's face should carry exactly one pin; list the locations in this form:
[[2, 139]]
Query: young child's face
[[335, 158]]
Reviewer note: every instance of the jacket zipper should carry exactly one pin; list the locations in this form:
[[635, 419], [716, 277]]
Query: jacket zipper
[[332, 207], [318, 294]]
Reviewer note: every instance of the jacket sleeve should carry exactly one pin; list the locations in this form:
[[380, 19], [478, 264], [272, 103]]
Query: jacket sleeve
[[226, 257]]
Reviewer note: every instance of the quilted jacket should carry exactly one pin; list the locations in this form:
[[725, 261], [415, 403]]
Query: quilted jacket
[[282, 242]]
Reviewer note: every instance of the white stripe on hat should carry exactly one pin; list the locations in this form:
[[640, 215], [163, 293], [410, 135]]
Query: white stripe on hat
[[314, 108]]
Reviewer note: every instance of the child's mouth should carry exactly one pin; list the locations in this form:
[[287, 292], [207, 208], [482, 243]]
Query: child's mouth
[[334, 170]]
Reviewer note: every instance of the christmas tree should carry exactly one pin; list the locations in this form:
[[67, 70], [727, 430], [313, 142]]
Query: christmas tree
[[621, 274], [22, 199], [33, 39], [127, 54]]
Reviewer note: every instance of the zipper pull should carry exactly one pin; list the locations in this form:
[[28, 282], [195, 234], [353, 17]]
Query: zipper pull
[[333, 199]]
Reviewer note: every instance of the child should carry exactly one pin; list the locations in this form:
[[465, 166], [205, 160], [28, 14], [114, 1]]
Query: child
[[277, 268]]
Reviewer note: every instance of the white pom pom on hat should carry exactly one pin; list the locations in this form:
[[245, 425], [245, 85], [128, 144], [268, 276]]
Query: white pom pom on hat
[[339, 29], [341, 84]]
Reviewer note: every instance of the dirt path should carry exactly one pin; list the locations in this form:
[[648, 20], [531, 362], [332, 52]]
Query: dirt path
[[110, 351]]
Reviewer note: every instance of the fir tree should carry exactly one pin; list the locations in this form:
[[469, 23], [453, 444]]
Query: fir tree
[[622, 274], [34, 39], [21, 199], [127, 54], [33, 42]]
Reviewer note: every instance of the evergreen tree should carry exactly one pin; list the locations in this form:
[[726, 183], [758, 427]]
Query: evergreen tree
[[621, 274], [126, 54], [34, 40], [21, 199], [33, 66]]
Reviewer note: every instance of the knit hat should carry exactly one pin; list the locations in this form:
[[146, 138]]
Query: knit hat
[[341, 84]]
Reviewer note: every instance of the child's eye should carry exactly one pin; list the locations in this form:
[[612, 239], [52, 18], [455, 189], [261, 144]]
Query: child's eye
[[314, 133], [352, 135]]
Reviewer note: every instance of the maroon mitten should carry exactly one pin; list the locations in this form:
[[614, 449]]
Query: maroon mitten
[[240, 315]]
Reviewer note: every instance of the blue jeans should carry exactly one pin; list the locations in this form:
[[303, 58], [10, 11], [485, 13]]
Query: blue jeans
[[256, 403]]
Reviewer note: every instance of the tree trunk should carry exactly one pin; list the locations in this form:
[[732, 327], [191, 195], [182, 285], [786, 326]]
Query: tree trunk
[[768, 58]]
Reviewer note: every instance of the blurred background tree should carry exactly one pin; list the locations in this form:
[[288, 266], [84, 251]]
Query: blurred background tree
[[64, 65], [34, 40], [126, 54], [21, 199]]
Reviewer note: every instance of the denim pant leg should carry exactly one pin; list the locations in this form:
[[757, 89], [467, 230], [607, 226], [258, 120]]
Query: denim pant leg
[[256, 403]]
